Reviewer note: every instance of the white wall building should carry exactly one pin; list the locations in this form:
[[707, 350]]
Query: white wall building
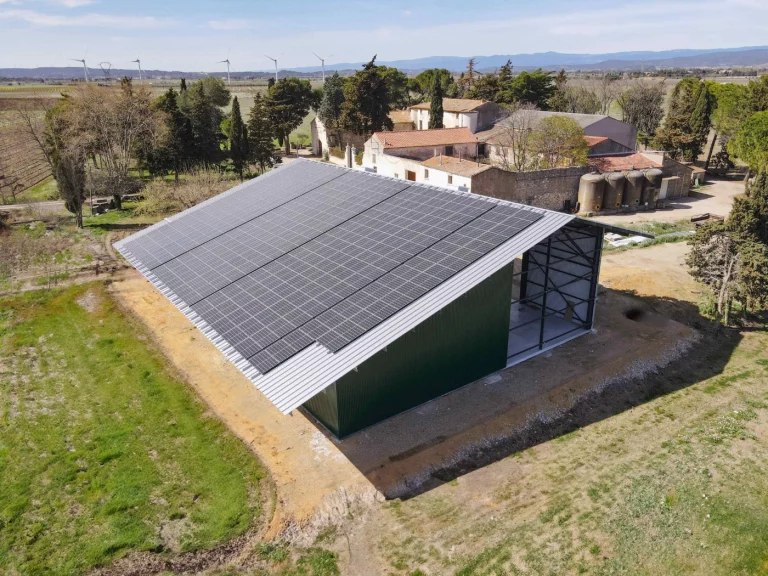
[[458, 113]]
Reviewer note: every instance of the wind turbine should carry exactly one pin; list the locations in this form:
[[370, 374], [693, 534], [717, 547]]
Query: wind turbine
[[275, 61], [227, 61], [106, 67], [322, 61], [138, 61], [85, 68]]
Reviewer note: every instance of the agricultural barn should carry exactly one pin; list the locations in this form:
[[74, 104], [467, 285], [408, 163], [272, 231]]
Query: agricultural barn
[[359, 296]]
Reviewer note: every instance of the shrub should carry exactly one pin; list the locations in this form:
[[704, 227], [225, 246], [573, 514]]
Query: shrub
[[163, 197]]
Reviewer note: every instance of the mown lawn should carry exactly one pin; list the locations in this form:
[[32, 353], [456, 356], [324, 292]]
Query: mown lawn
[[102, 450]]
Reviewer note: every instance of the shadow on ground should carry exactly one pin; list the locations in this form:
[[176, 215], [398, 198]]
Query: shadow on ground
[[582, 382]]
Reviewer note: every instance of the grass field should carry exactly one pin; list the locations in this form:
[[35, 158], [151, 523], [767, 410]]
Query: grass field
[[102, 450], [674, 486]]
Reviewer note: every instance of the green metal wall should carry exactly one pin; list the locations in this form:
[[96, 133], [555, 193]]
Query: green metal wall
[[325, 407], [465, 341]]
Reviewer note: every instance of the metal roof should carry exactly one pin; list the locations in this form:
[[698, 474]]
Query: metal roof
[[301, 275]]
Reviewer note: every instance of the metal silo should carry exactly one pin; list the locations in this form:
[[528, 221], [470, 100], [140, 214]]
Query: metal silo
[[652, 185], [614, 190], [633, 188], [591, 189]]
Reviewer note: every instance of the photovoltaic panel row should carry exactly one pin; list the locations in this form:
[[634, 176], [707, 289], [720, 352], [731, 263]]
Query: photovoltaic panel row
[[378, 300], [258, 313], [205, 269], [200, 225]]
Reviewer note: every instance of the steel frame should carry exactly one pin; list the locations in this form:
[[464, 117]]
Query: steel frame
[[562, 246]]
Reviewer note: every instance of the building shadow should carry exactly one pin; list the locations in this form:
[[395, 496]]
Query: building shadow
[[580, 383]]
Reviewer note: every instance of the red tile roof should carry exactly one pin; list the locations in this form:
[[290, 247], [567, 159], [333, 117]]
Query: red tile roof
[[621, 163], [594, 140], [456, 166], [425, 138]]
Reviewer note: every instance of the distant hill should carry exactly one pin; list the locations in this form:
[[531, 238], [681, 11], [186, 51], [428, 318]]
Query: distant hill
[[716, 57]]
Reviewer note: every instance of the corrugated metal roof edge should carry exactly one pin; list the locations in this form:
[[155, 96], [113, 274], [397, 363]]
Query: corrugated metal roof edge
[[317, 368]]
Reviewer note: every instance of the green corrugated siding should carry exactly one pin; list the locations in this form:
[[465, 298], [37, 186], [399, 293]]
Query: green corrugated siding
[[325, 408], [465, 341]]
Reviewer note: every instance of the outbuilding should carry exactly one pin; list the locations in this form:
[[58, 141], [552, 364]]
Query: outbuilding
[[357, 296]]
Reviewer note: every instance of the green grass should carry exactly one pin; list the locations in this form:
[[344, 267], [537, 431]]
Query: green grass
[[47, 190], [658, 228], [103, 223], [102, 450]]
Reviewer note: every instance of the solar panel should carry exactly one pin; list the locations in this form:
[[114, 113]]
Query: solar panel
[[318, 254]]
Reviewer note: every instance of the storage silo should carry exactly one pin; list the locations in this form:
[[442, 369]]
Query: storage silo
[[633, 189], [614, 190], [591, 190], [651, 189]]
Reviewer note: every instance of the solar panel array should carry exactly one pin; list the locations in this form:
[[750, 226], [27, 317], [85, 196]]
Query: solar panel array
[[318, 254]]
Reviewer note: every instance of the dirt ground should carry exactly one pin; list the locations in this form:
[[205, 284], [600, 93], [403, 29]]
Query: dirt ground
[[714, 197]]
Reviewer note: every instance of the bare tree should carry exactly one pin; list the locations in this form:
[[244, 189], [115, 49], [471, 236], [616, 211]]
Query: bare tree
[[33, 121], [606, 90], [513, 142], [111, 126], [642, 105]]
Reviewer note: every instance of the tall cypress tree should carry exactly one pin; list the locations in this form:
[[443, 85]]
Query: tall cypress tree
[[436, 104], [237, 144], [261, 133]]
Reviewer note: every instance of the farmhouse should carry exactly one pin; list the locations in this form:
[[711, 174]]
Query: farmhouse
[[458, 113], [358, 296]]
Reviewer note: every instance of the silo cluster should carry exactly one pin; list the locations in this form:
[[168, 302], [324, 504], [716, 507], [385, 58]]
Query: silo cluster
[[614, 190]]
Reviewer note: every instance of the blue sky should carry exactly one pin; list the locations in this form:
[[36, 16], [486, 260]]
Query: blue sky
[[192, 36]]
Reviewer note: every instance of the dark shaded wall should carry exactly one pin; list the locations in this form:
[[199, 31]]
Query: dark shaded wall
[[551, 189]]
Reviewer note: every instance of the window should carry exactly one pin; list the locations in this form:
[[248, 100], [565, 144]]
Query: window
[[426, 174], [421, 125], [450, 179], [373, 158], [481, 151], [457, 115], [449, 150], [397, 175], [375, 170]]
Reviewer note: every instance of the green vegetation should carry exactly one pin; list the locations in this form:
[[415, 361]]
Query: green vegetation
[[102, 450], [687, 123], [46, 190]]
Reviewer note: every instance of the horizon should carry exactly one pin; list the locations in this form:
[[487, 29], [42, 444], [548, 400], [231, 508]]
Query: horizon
[[168, 36]]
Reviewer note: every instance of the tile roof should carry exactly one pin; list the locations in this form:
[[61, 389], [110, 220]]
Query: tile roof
[[456, 166], [400, 116], [419, 138], [622, 162], [455, 105]]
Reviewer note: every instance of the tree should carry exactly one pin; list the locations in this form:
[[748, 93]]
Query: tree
[[751, 141], [731, 257], [534, 87], [467, 79], [175, 152], [288, 102], [581, 100], [112, 127], [606, 91], [330, 110], [686, 126], [757, 94], [261, 135], [367, 101], [436, 105], [421, 84], [642, 106], [397, 87], [559, 100], [238, 140], [205, 118], [558, 141], [514, 142]]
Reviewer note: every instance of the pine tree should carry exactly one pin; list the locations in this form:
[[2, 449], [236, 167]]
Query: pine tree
[[177, 150], [687, 123], [330, 106], [261, 134], [559, 100], [367, 100], [237, 137], [436, 104]]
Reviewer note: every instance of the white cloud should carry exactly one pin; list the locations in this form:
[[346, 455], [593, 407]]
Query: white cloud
[[231, 24], [83, 20], [72, 3]]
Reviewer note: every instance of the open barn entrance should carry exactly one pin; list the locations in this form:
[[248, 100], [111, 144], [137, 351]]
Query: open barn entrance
[[554, 291]]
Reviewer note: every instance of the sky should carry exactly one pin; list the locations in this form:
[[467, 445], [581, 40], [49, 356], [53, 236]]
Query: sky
[[193, 35]]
